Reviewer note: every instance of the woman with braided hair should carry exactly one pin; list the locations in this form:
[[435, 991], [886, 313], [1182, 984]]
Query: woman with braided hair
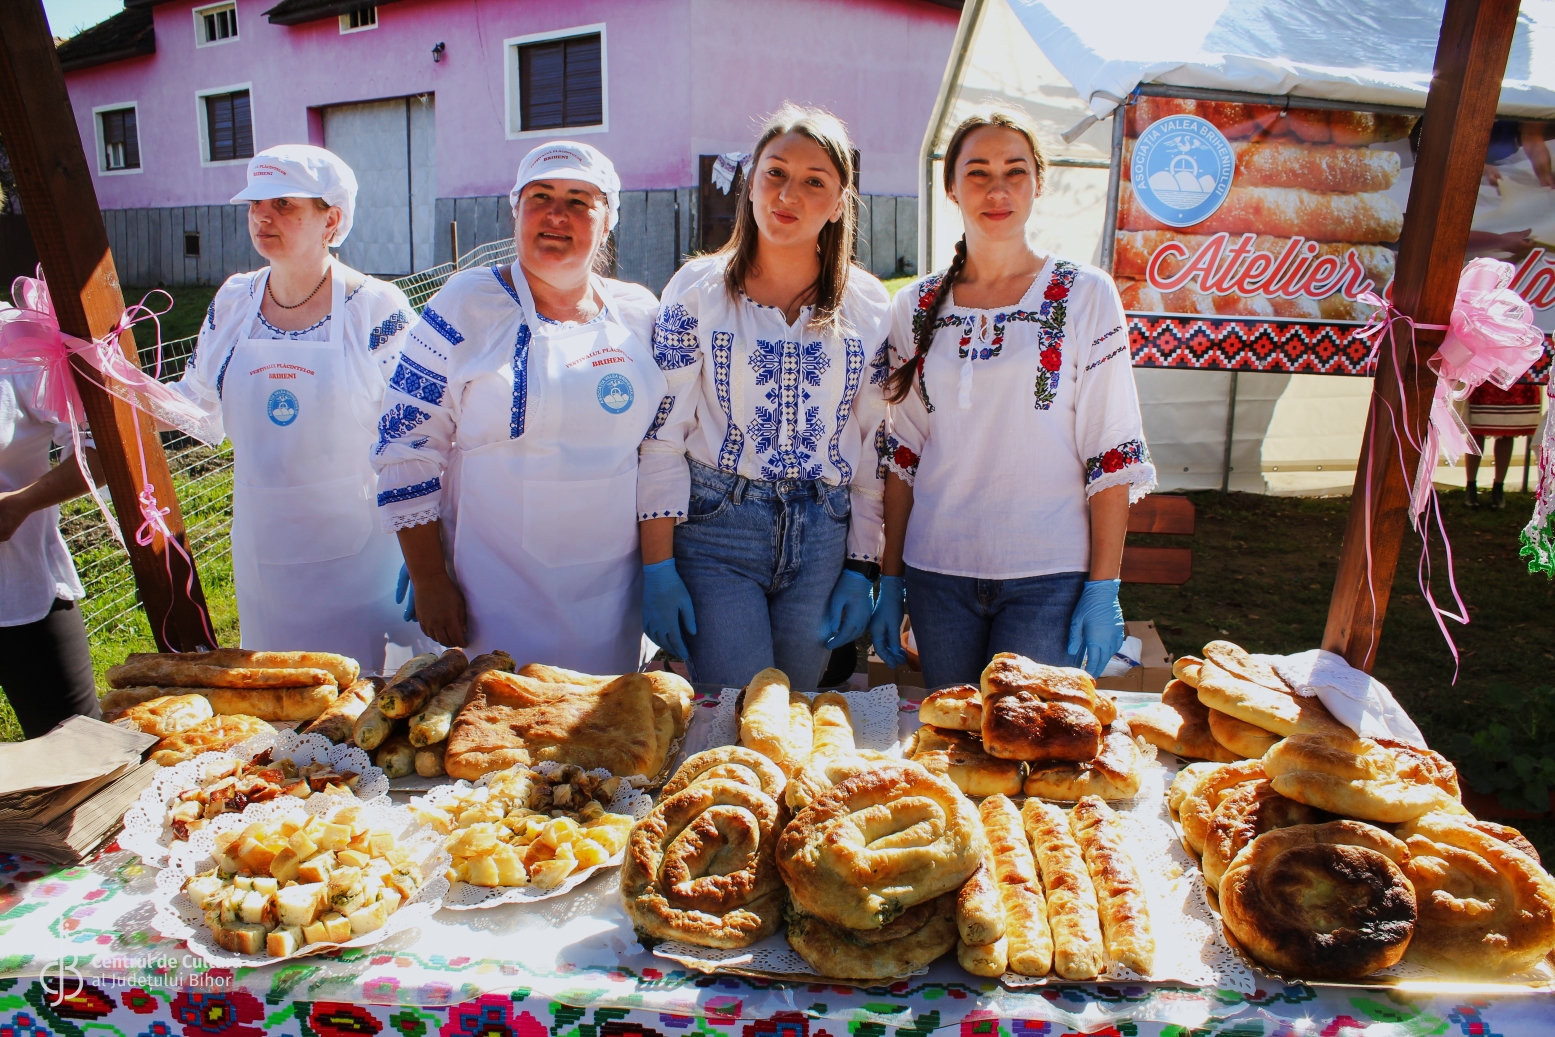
[[1013, 445]]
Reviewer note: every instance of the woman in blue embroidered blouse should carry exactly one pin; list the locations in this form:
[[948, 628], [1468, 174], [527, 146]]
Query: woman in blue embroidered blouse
[[763, 446], [1015, 444]]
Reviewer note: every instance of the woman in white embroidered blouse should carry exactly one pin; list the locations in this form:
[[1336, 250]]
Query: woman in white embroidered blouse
[[1014, 446], [292, 363], [764, 444]]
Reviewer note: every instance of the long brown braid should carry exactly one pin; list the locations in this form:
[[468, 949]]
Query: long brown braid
[[899, 383]]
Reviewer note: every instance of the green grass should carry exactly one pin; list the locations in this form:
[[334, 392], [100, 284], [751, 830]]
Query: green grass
[[189, 305], [894, 284]]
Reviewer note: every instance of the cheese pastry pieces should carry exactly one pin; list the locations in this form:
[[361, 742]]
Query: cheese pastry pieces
[[1179, 723], [1078, 952], [879, 843], [911, 941], [164, 715], [1120, 896], [218, 734]]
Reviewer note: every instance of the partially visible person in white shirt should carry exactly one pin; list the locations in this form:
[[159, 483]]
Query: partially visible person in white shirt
[[45, 663], [1014, 444]]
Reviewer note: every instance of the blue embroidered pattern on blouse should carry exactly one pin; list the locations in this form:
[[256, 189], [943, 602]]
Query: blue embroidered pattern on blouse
[[665, 406], [674, 338], [210, 315], [496, 271], [396, 421], [792, 367], [882, 451], [392, 325], [851, 379], [520, 383], [880, 366], [404, 493], [293, 335], [412, 379], [221, 376], [444, 328], [734, 439]]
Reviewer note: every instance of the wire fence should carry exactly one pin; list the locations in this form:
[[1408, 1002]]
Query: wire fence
[[202, 476]]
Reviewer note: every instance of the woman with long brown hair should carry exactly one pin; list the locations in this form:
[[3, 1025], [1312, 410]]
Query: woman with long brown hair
[[763, 446], [1014, 445]]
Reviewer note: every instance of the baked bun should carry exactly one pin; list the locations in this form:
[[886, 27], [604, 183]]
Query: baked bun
[[1324, 901], [163, 715], [1186, 669], [958, 708], [1235, 660], [1179, 723], [974, 772], [927, 739], [1113, 773], [699, 868], [1200, 801], [1010, 672], [1486, 908], [734, 762], [1356, 777], [879, 843], [1240, 737], [822, 773], [1278, 712], [1245, 812], [910, 942]]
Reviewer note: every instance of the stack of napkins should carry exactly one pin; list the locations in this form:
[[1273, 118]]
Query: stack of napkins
[[63, 795]]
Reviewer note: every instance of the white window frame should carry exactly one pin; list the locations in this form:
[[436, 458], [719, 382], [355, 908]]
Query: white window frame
[[345, 22], [513, 115], [102, 146], [205, 130], [199, 24]]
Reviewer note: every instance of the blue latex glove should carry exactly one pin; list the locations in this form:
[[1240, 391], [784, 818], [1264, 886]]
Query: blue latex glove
[[666, 605], [885, 625], [847, 614], [405, 591], [1096, 630]]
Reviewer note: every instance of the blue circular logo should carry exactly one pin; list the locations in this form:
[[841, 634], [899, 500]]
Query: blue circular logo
[[614, 393], [1181, 170], [282, 407]]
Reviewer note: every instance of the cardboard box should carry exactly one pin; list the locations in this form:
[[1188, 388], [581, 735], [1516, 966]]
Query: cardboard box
[[903, 677], [1155, 664]]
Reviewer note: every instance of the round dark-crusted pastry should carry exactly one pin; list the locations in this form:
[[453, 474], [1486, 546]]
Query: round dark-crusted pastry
[[1246, 812], [910, 942], [1326, 901]]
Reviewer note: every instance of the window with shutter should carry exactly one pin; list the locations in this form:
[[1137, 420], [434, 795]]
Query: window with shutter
[[121, 143], [561, 83], [216, 23], [229, 126]]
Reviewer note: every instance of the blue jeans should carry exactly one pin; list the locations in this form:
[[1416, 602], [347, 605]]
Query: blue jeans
[[961, 622], [760, 560]]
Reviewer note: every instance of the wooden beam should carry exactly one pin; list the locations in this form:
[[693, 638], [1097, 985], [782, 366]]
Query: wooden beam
[[55, 183], [1471, 56]]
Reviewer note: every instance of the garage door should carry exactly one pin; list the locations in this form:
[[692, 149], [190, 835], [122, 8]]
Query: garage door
[[389, 144]]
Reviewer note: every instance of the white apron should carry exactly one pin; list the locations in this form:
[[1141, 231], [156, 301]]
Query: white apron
[[544, 530], [312, 570]]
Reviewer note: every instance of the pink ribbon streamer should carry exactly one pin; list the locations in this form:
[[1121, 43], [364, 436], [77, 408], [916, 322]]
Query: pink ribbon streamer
[[30, 336], [1490, 337]]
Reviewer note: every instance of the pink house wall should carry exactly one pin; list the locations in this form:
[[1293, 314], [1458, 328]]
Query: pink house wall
[[684, 77]]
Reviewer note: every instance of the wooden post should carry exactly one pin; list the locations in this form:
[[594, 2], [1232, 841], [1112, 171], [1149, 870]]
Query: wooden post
[[55, 183], [1471, 57]]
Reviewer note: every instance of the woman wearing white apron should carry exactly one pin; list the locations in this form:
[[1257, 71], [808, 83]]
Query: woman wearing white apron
[[507, 453], [293, 362]]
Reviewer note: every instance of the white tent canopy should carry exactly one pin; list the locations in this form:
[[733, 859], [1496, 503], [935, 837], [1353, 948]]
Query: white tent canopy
[[1062, 61]]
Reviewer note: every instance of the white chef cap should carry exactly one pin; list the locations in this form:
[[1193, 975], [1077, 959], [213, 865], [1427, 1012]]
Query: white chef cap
[[569, 160], [303, 171]]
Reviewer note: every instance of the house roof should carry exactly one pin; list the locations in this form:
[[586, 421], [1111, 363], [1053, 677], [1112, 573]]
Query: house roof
[[127, 34], [295, 12]]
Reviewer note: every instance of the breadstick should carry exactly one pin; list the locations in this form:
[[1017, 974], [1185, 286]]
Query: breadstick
[[989, 959], [173, 671], [120, 699], [801, 729], [1029, 941], [271, 703], [402, 698], [1006, 834], [410, 666], [372, 727], [339, 718], [1071, 899], [1125, 917], [764, 718], [343, 667], [429, 760], [396, 757], [979, 915], [432, 723], [833, 725]]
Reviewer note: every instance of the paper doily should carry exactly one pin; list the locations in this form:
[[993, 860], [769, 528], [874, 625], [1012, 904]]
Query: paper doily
[[177, 918], [771, 956], [462, 896], [146, 830], [874, 714]]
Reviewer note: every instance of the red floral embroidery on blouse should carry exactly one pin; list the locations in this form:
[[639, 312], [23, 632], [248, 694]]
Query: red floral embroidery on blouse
[[1052, 358], [1112, 461], [1056, 290], [905, 459]]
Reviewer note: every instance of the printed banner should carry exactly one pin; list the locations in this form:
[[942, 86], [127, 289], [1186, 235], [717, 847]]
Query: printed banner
[[1247, 234]]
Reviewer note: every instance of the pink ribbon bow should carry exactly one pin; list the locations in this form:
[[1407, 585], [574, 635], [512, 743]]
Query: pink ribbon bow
[[30, 337]]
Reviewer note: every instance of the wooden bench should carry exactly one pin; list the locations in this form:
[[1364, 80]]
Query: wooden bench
[[1158, 513]]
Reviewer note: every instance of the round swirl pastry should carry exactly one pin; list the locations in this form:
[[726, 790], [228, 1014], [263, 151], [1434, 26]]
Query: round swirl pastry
[[1357, 777], [879, 843], [1324, 901], [734, 762], [1200, 800], [908, 943], [699, 868], [1486, 908], [1246, 812], [1186, 781], [824, 772]]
